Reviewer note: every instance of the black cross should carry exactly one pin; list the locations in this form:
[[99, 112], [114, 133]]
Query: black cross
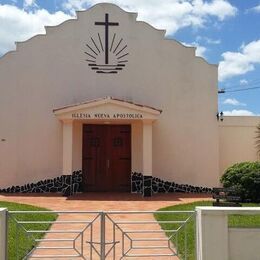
[[106, 24]]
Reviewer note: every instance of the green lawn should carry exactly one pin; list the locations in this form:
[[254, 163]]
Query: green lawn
[[234, 221], [18, 241]]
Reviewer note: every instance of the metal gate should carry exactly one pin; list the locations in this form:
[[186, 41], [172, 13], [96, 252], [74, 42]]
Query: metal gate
[[100, 235]]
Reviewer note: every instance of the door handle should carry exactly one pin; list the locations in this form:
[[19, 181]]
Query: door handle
[[108, 163]]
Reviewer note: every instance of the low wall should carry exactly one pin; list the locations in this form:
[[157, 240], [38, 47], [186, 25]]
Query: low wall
[[65, 184], [237, 140], [215, 240], [157, 185], [243, 243]]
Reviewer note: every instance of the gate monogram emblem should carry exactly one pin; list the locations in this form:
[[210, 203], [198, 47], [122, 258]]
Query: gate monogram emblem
[[106, 56]]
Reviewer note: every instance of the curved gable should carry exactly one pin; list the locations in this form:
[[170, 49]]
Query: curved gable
[[85, 16]]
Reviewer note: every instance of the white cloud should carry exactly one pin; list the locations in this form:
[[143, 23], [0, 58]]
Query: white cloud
[[211, 41], [219, 8], [207, 40], [19, 25], [255, 9], [233, 102], [236, 112], [171, 15], [200, 50], [239, 63], [28, 3], [243, 82]]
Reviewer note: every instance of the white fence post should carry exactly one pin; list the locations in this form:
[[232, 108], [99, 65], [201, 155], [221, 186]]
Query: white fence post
[[3, 234], [211, 234], [215, 240]]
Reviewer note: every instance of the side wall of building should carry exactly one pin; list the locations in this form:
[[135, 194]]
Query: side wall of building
[[237, 141]]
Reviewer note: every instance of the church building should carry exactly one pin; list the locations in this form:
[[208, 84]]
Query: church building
[[106, 103]]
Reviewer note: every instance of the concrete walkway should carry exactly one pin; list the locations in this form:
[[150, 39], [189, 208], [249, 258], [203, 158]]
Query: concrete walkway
[[106, 202]]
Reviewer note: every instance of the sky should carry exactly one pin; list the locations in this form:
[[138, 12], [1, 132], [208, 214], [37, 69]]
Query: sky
[[225, 32]]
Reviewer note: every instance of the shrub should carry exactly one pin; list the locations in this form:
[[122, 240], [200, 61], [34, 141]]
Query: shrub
[[244, 178]]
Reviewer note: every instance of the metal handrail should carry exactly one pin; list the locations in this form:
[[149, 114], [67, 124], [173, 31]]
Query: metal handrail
[[99, 212]]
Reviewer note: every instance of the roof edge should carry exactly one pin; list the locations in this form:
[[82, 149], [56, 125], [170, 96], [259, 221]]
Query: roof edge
[[94, 101]]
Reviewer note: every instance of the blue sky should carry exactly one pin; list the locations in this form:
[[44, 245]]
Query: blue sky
[[224, 32]]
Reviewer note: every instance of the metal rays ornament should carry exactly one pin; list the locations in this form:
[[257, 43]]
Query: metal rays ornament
[[108, 56]]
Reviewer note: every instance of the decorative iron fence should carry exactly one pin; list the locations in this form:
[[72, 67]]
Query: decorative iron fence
[[101, 235]]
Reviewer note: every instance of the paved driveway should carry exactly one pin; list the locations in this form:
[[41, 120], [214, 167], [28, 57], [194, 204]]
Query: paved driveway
[[106, 202]]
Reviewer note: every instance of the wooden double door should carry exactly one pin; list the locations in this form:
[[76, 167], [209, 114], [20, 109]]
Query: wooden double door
[[106, 157]]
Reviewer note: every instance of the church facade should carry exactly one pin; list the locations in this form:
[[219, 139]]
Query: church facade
[[105, 103]]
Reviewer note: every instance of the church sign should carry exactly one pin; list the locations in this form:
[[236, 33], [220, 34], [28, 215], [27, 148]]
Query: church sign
[[107, 116], [107, 57]]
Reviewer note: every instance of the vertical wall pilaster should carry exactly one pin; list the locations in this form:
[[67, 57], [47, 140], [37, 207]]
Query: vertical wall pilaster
[[147, 157], [67, 146]]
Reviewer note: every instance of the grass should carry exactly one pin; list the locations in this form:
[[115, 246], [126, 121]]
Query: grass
[[244, 221], [19, 244]]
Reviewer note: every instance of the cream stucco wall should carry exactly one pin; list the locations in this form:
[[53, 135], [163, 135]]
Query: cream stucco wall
[[237, 140], [50, 71]]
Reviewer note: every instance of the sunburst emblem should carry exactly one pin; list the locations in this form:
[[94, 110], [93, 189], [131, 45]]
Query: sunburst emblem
[[109, 56]]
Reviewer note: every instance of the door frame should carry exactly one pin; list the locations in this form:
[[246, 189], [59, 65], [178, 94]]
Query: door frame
[[82, 149]]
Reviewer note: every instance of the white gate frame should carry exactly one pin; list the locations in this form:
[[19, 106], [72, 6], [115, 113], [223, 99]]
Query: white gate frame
[[3, 233]]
